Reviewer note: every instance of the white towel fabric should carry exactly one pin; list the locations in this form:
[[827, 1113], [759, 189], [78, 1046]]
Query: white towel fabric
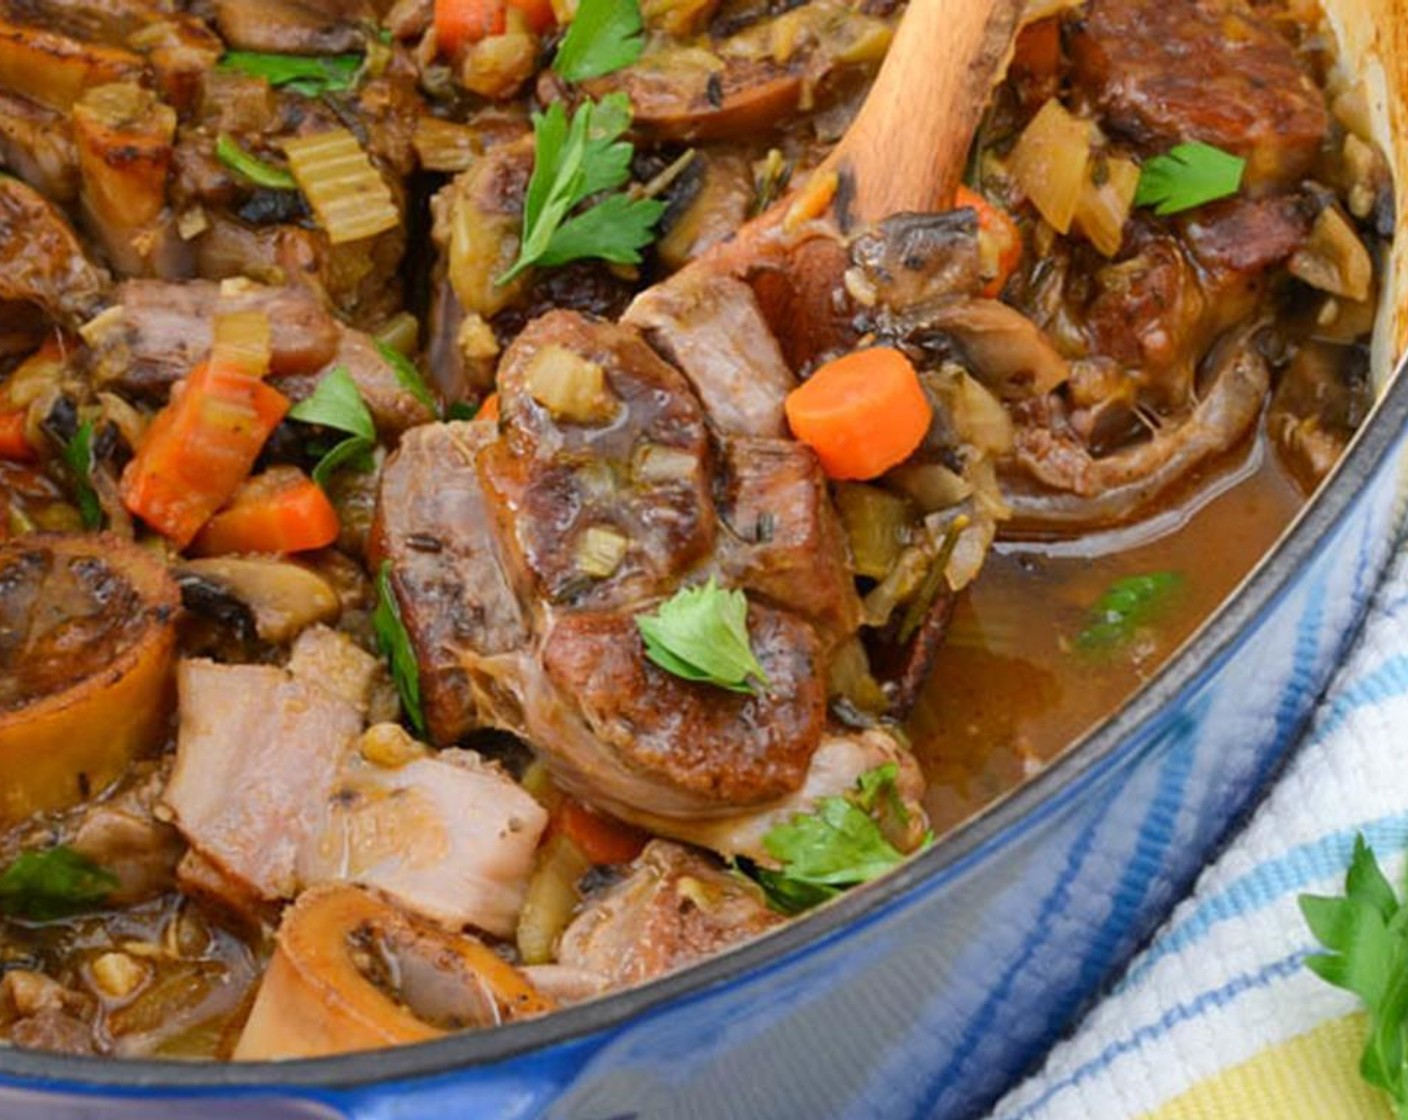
[[1219, 1019]]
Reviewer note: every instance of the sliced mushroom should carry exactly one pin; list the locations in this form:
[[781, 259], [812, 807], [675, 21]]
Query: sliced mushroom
[[352, 972], [1006, 351], [87, 635], [283, 598]]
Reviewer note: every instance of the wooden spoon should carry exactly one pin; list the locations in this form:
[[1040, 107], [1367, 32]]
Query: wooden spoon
[[908, 145], [905, 151]]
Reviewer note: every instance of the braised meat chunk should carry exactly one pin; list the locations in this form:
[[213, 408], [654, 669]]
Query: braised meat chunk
[[1210, 70]]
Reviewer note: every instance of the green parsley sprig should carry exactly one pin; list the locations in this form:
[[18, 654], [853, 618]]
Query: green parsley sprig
[[337, 404], [604, 35], [394, 643], [573, 160], [77, 455], [53, 883], [407, 375], [1127, 605], [1188, 176], [839, 844], [1366, 932], [312, 76], [701, 634]]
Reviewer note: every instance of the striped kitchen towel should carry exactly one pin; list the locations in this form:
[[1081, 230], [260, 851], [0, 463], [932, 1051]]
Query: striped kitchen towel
[[1219, 1019]]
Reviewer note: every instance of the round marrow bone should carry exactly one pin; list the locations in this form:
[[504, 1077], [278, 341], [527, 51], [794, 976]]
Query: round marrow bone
[[87, 635], [352, 972]]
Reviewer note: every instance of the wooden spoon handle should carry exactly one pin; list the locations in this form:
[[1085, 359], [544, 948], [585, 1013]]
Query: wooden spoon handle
[[907, 147]]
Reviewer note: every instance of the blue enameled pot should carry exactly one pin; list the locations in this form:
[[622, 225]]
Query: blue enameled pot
[[923, 995]]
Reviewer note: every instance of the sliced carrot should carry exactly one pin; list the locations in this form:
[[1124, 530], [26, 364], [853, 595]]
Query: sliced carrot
[[281, 510], [861, 414], [489, 410], [999, 240], [14, 445], [602, 839], [460, 23], [199, 449]]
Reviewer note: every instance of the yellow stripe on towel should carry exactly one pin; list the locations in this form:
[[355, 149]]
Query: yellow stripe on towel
[[1314, 1076]]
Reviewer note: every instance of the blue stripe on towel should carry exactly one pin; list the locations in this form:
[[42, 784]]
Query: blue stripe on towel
[[1387, 681], [1218, 997], [1299, 868]]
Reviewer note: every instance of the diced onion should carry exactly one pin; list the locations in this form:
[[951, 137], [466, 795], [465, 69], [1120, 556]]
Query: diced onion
[[654, 462], [347, 193], [600, 552], [569, 386], [1050, 163], [877, 523], [1104, 207], [1334, 258], [980, 417], [552, 898]]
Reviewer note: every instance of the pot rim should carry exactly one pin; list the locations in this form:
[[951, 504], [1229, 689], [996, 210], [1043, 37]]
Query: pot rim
[[1363, 460]]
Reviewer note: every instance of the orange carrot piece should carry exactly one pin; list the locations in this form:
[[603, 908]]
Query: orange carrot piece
[[861, 414], [281, 510], [489, 410], [602, 839], [461, 23], [199, 449], [14, 446], [999, 239], [539, 14]]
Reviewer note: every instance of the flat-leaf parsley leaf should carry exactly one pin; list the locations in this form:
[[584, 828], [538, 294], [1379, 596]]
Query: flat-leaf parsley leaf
[[77, 455], [53, 883], [1127, 605], [311, 76], [701, 634], [604, 35], [395, 645], [337, 404], [1366, 932], [842, 842], [574, 159], [1188, 176]]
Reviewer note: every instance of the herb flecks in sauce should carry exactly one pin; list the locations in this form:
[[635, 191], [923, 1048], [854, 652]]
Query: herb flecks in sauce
[[53, 883]]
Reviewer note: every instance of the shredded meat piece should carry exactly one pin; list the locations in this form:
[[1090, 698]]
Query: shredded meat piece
[[450, 837], [256, 758], [39, 1013], [713, 331], [674, 908]]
